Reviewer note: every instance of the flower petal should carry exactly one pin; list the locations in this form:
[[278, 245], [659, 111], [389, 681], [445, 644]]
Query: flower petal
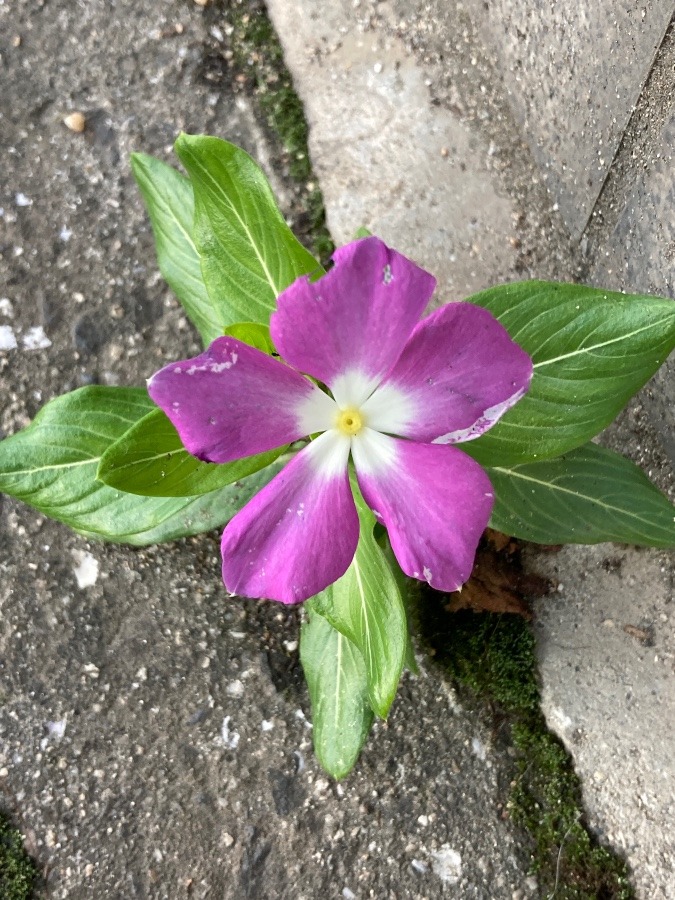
[[234, 401], [458, 374], [348, 328], [435, 502], [299, 534]]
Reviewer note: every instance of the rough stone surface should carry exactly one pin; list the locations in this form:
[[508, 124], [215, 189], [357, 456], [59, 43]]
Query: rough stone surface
[[607, 646], [386, 157], [573, 72], [607, 655], [640, 256], [153, 733], [604, 692]]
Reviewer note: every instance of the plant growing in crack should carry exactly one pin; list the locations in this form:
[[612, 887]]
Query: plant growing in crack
[[319, 426]]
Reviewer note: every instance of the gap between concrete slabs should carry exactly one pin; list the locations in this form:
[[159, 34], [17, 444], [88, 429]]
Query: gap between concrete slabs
[[376, 126]]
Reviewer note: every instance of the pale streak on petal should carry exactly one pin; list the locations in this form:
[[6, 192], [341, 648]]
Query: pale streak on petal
[[329, 453], [389, 409], [352, 388], [462, 370], [374, 453], [481, 425], [316, 412], [299, 533]]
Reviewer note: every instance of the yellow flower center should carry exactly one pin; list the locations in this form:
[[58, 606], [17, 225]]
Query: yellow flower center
[[350, 421]]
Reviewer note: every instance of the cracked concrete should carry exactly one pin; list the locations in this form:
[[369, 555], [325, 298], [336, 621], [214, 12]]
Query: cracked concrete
[[152, 734]]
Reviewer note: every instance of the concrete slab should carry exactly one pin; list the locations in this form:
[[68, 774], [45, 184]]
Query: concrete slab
[[640, 256], [606, 646], [386, 157], [605, 693], [573, 72]]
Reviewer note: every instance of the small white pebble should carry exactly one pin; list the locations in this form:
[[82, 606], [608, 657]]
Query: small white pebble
[[7, 338], [419, 866], [235, 688], [423, 821], [447, 864], [377, 68], [57, 729], [6, 308], [230, 738], [478, 748], [21, 200], [85, 569], [35, 339], [267, 725]]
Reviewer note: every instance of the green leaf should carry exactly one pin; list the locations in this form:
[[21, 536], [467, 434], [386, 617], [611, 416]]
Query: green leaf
[[404, 588], [366, 606], [336, 678], [592, 350], [170, 203], [253, 334], [149, 459], [589, 495], [248, 252], [51, 465]]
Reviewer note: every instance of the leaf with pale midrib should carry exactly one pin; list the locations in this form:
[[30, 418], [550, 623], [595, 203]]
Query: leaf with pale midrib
[[149, 459], [248, 252], [169, 200], [366, 606], [52, 465], [591, 349], [336, 678], [589, 495]]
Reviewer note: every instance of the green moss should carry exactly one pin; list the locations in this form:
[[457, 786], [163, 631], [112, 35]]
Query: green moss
[[491, 659], [257, 58], [495, 659], [17, 870], [546, 800]]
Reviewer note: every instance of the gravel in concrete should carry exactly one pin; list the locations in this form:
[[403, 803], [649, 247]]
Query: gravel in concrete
[[154, 739]]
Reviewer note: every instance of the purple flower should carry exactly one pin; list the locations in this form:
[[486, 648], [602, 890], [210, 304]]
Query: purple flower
[[402, 391]]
